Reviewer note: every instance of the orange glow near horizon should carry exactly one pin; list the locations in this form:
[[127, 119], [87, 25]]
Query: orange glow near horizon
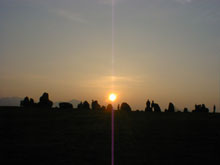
[[112, 97]]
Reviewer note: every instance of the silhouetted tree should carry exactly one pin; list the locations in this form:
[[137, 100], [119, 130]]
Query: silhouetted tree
[[95, 105], [45, 102], [125, 107], [65, 105], [171, 108], [148, 107], [214, 109], [109, 107]]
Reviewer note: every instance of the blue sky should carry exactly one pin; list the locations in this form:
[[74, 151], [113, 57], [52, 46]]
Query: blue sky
[[165, 50]]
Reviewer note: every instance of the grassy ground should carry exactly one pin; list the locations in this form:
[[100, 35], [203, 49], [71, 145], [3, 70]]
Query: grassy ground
[[45, 137]]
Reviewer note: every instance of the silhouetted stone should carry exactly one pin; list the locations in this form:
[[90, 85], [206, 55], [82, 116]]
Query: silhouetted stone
[[32, 102], [185, 110], [204, 109], [118, 108], [85, 105], [152, 103], [95, 106], [148, 107], [45, 102], [79, 106], [25, 102], [109, 107], [125, 107], [155, 107], [103, 108], [65, 105], [200, 108], [171, 108], [196, 108], [214, 109]]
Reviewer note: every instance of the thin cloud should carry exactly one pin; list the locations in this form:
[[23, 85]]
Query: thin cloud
[[107, 81], [121, 79]]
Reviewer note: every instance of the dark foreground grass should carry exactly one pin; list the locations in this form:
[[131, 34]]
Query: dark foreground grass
[[57, 137]]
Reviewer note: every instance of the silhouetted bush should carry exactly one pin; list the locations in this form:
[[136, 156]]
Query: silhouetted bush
[[45, 102], [65, 105], [125, 107]]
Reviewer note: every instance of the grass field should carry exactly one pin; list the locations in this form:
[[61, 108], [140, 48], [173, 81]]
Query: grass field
[[61, 137]]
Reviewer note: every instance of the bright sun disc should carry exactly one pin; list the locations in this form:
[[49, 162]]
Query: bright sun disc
[[112, 97]]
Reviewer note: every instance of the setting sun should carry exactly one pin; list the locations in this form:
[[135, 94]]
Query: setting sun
[[112, 97]]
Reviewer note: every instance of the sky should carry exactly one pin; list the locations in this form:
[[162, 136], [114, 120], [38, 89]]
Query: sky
[[164, 50]]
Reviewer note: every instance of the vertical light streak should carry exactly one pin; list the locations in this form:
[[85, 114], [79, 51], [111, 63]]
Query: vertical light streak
[[113, 59], [113, 156], [219, 95], [113, 42]]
